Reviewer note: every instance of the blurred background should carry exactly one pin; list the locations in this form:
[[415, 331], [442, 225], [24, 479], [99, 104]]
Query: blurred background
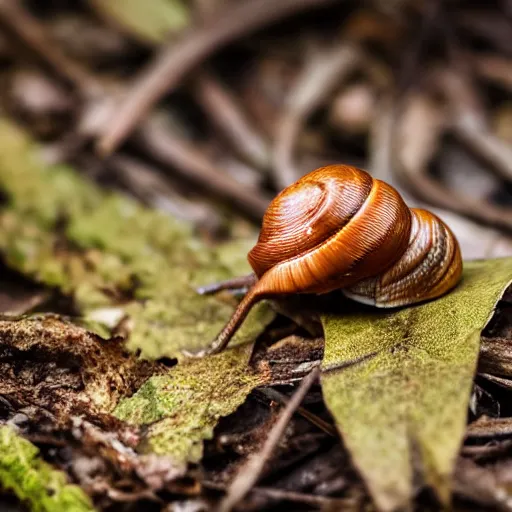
[[207, 108]]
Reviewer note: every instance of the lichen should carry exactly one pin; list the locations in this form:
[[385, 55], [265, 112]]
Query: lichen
[[183, 407]]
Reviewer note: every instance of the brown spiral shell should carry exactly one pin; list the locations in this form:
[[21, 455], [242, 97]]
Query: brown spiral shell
[[339, 228]]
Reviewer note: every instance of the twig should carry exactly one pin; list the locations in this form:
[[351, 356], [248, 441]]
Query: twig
[[224, 111], [324, 502], [469, 123], [494, 68], [155, 139], [421, 126], [381, 141], [490, 450], [504, 382], [490, 428], [151, 187], [484, 144], [250, 472], [178, 58], [327, 427], [321, 75], [30, 31]]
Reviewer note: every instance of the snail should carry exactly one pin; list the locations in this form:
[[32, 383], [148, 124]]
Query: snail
[[339, 228]]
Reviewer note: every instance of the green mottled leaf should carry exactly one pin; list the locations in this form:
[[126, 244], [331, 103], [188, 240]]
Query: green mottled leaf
[[35, 482], [183, 407], [398, 382], [150, 22]]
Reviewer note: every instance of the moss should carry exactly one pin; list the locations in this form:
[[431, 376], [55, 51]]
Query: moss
[[35, 482]]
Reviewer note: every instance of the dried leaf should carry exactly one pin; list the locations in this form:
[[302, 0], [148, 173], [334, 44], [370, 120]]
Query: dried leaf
[[398, 382], [35, 482], [62, 368], [150, 22]]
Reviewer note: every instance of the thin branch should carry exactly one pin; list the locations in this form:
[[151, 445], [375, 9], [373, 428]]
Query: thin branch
[[420, 129], [324, 502], [229, 118], [324, 72], [155, 139], [178, 58], [469, 122], [381, 140], [327, 427], [151, 187], [250, 472], [495, 68], [490, 428], [33, 35]]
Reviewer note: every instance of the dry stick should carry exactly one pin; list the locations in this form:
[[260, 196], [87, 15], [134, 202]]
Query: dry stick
[[489, 450], [431, 191], [470, 125], [412, 150], [178, 58], [494, 68], [490, 428], [324, 502], [148, 184], [250, 472], [30, 31], [321, 75], [484, 144], [381, 141], [500, 381], [229, 118], [327, 427], [153, 137], [156, 140]]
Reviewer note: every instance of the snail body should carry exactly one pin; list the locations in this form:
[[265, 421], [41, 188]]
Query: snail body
[[339, 228]]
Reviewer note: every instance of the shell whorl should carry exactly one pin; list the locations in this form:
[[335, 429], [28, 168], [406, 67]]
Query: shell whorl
[[430, 266], [333, 227]]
